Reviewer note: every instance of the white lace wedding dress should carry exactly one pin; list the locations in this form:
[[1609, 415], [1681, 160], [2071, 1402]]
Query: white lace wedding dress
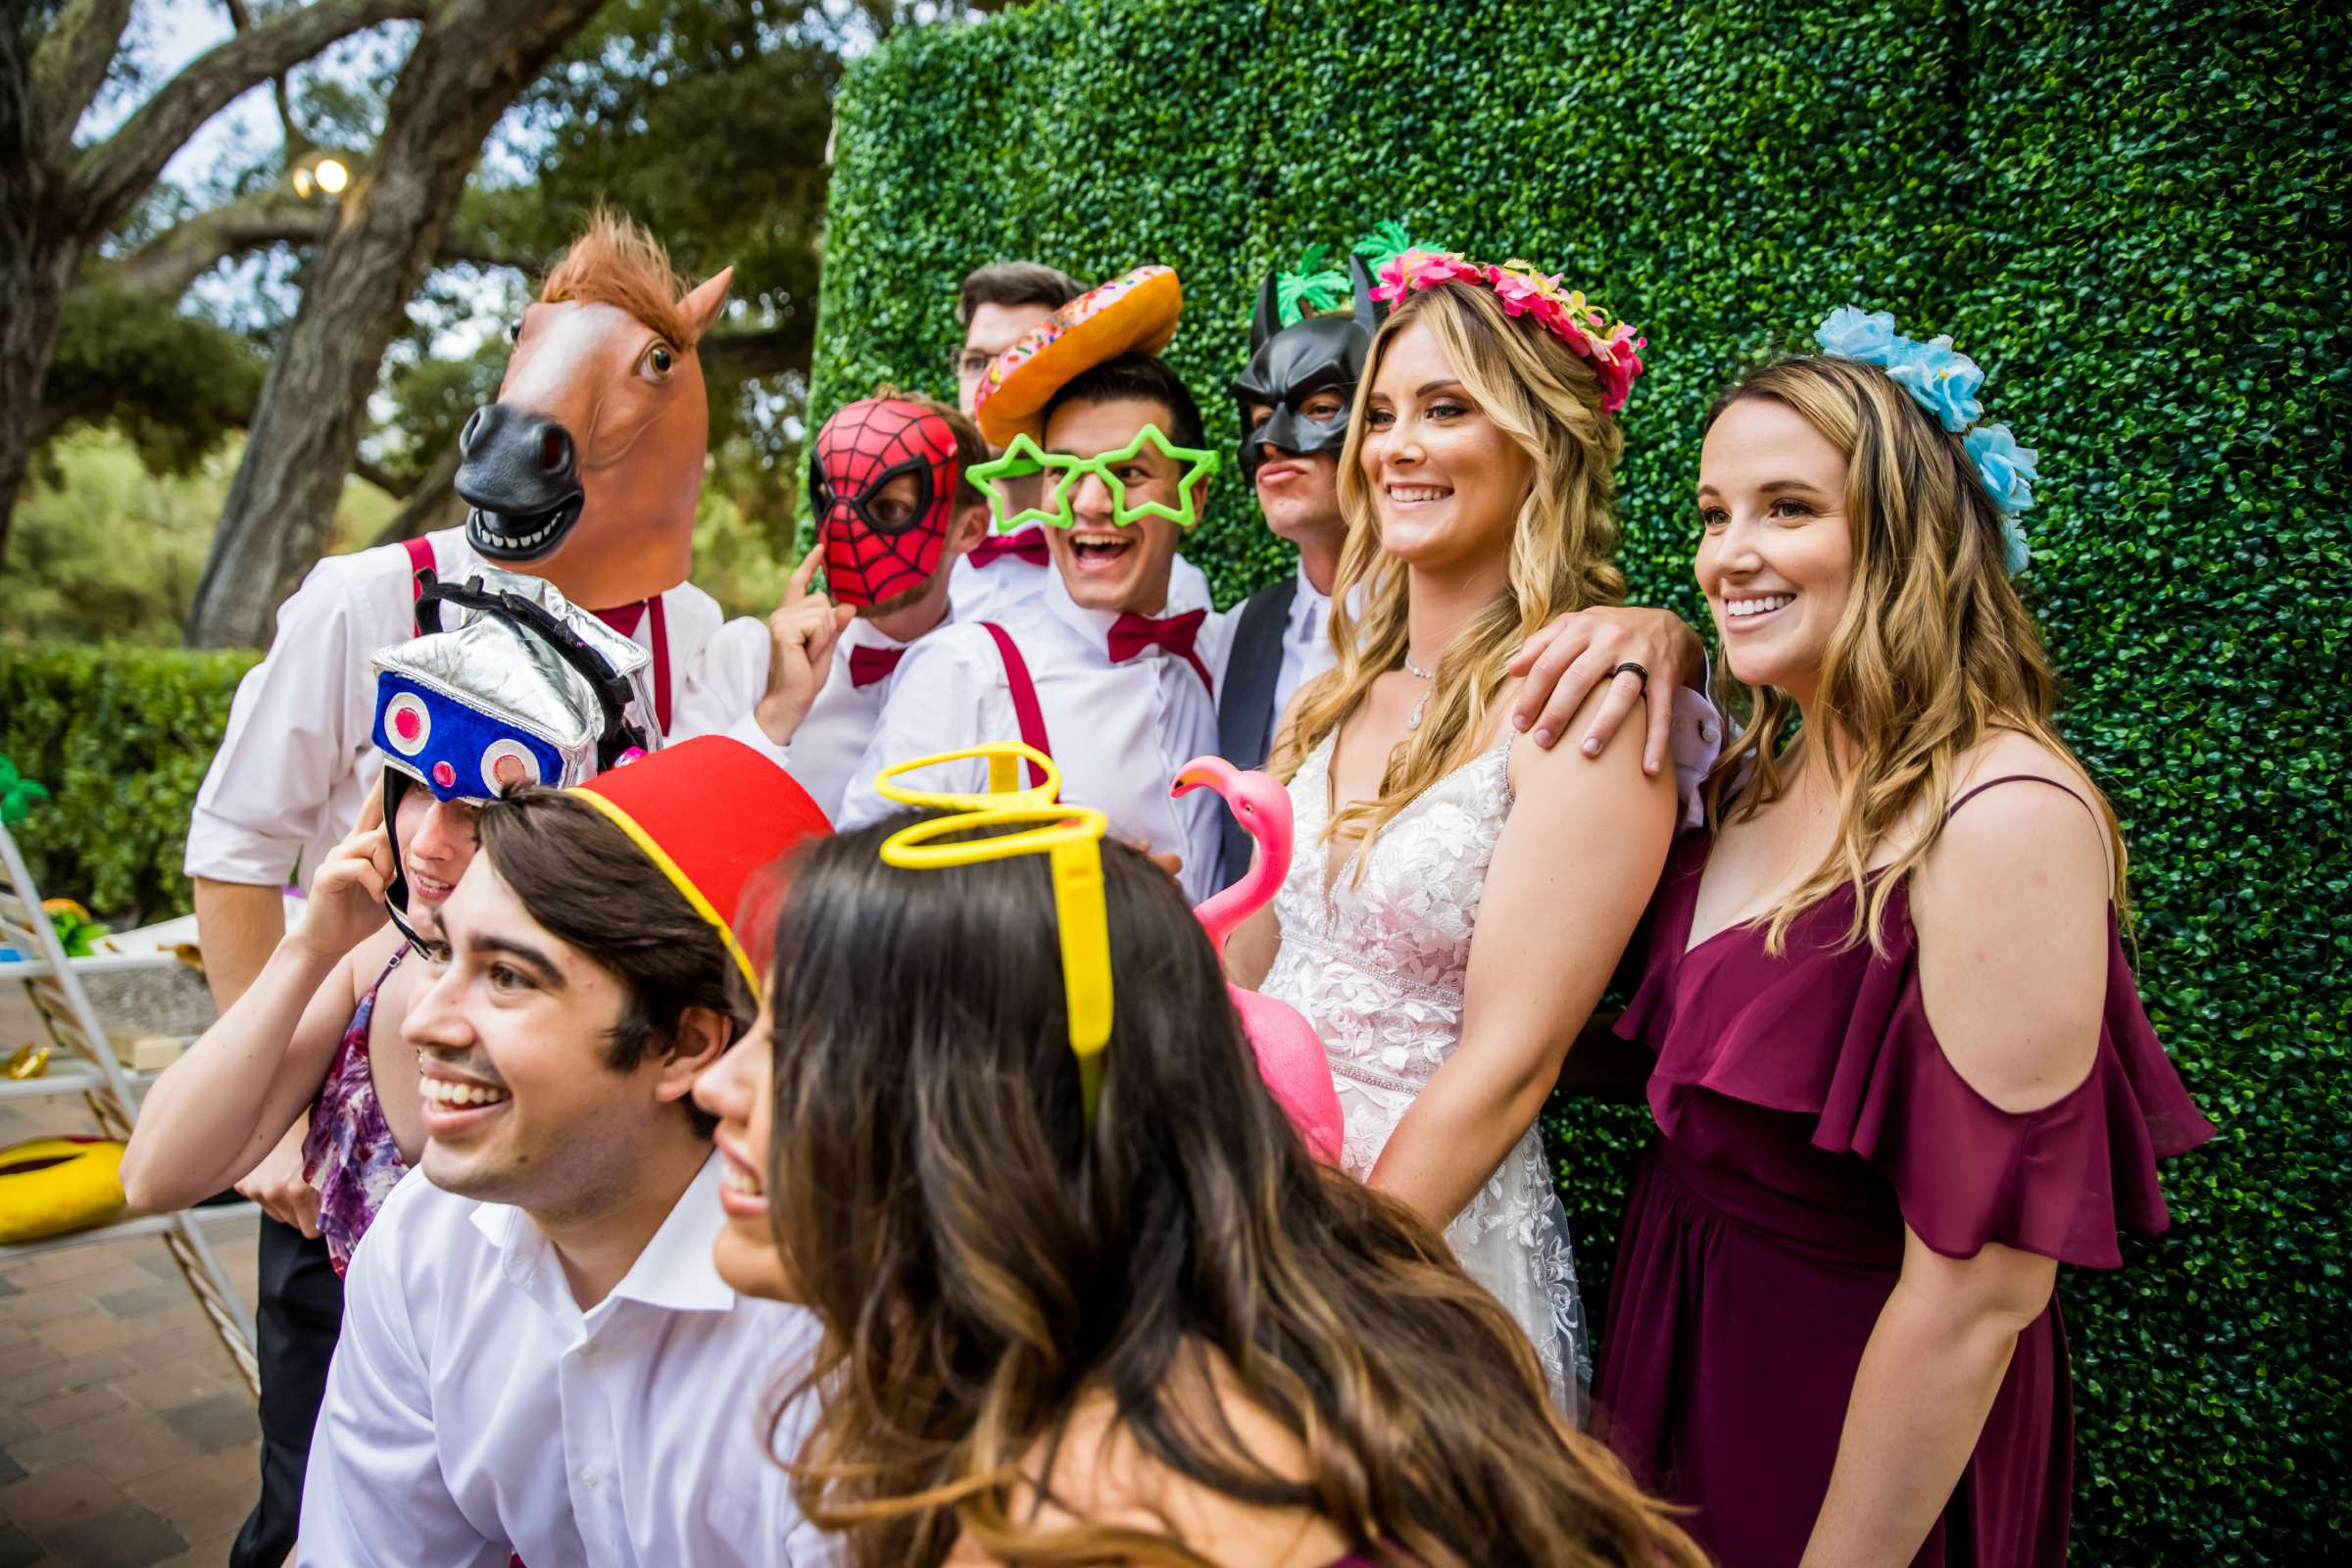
[[1376, 963]]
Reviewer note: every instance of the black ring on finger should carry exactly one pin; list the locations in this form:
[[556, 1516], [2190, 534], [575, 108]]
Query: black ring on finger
[[1641, 674]]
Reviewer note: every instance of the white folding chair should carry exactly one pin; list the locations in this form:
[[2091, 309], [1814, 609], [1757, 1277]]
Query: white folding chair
[[83, 1062]]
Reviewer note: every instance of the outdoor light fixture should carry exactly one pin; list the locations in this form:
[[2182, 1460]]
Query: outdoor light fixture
[[328, 176]]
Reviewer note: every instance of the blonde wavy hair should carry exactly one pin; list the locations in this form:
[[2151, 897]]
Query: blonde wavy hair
[[1547, 400], [1933, 651]]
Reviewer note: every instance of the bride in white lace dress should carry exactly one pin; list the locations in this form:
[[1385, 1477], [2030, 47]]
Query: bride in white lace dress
[[1457, 902]]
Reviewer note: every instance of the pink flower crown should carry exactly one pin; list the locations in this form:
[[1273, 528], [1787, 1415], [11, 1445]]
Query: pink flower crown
[[1563, 312]]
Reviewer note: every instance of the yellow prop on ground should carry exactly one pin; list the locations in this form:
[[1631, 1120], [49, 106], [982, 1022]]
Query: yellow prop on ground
[[53, 1186]]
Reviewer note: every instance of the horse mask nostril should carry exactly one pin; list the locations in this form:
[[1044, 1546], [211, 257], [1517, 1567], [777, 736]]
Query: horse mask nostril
[[555, 450], [473, 425]]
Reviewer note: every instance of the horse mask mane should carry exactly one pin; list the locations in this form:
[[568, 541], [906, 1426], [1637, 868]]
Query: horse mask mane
[[586, 470]]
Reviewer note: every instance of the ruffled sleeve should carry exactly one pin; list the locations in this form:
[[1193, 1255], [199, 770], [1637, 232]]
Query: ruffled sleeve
[[2062, 1181]]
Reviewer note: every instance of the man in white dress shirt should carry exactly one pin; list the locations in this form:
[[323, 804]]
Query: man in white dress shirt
[[1097, 668], [896, 514], [996, 307], [538, 1356], [585, 473]]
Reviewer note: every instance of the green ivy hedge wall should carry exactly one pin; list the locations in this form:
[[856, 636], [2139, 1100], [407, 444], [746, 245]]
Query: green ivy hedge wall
[[120, 736], [2132, 215]]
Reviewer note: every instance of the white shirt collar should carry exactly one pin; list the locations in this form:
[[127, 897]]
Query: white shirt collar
[[864, 633], [674, 1271]]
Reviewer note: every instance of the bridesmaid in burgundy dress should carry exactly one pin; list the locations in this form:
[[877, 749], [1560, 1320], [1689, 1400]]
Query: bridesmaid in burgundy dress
[[1901, 1068]]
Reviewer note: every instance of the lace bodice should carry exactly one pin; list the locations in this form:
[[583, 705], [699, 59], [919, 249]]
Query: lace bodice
[[1374, 958], [1384, 953]]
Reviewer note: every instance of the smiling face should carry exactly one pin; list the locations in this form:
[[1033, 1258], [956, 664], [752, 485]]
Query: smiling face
[[1123, 570], [1446, 482], [1776, 554], [737, 1090], [520, 1103], [437, 841]]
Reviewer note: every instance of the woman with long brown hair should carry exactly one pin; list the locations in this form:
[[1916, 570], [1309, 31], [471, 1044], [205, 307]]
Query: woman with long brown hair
[[1109, 1315], [1902, 1071], [1459, 900]]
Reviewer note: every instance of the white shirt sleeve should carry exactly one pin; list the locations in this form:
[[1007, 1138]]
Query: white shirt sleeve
[[290, 744], [949, 693], [373, 1493], [720, 690]]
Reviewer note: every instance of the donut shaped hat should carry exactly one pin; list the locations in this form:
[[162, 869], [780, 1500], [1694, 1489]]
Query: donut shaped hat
[[1134, 313]]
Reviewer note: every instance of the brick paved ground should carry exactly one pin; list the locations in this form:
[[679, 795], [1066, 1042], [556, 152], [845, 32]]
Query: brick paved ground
[[127, 1435]]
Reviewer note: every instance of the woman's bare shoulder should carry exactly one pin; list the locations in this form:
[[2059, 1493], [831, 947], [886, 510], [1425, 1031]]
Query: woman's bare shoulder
[[1102, 1475]]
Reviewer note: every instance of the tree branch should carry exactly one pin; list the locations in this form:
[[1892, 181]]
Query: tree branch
[[69, 68], [108, 177], [399, 486], [298, 143], [744, 356], [431, 502], [165, 266]]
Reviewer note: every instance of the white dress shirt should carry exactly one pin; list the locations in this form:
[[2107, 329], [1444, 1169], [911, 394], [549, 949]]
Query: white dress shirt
[[985, 593], [473, 1411], [1118, 731], [1305, 642], [296, 760], [826, 749]]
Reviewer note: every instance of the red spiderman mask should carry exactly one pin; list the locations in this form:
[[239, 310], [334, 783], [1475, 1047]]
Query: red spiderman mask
[[880, 547]]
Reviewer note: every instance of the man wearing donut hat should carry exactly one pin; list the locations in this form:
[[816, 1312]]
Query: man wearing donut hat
[[999, 306], [1308, 340], [1101, 670], [539, 1359]]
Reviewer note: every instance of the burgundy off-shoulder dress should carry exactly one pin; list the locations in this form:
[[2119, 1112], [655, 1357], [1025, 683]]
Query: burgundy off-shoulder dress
[[1805, 1115]]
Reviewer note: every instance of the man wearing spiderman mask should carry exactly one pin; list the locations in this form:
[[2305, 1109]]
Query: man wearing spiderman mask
[[895, 512]]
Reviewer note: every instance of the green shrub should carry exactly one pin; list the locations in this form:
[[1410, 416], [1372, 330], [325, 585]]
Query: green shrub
[[121, 737], [2132, 214]]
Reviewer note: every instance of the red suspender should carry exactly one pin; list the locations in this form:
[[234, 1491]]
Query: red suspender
[[661, 641], [420, 561], [1025, 711]]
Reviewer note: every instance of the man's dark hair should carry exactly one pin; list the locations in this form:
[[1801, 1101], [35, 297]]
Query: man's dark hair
[[584, 881], [1010, 284], [1143, 379]]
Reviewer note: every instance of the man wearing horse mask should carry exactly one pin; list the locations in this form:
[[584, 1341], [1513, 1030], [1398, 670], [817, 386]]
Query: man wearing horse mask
[[585, 473]]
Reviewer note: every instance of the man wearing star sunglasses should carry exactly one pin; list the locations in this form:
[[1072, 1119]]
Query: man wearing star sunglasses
[[1096, 671]]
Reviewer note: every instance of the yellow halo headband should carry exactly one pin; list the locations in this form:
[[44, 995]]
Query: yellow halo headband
[[1072, 835], [1005, 759]]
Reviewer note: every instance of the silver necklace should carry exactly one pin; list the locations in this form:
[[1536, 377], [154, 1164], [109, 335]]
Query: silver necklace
[[1418, 674]]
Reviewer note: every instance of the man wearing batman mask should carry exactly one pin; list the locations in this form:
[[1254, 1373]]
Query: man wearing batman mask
[[1295, 399]]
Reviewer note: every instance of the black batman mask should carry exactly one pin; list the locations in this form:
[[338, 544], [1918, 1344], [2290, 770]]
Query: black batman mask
[[1290, 365]]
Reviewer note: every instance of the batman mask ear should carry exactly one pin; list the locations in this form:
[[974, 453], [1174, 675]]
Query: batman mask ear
[[1266, 319], [1367, 309]]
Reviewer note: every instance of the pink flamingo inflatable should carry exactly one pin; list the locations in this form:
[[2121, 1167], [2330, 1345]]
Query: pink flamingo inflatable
[[1289, 1054]]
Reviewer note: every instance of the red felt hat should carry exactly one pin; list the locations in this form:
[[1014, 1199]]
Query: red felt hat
[[712, 814]]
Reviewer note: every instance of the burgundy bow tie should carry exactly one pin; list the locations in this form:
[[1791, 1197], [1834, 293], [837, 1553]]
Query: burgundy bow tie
[[870, 664], [1028, 545], [1130, 635]]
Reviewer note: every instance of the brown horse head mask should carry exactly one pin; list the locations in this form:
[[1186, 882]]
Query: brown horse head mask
[[586, 469]]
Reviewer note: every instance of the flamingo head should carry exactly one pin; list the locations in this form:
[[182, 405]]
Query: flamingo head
[[1258, 800]]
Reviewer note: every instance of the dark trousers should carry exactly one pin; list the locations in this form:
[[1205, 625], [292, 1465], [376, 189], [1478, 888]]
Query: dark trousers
[[295, 1324]]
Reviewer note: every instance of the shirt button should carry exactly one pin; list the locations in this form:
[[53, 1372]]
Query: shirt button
[[1706, 732], [590, 1476]]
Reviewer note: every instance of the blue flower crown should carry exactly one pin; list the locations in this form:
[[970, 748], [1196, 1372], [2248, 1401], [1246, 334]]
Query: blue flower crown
[[1943, 381]]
